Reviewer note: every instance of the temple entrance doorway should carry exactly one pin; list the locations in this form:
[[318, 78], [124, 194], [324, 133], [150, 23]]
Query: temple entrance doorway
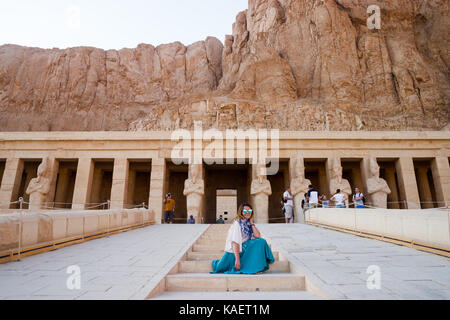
[[235, 177], [227, 205]]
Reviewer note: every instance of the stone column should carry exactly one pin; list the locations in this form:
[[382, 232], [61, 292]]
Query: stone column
[[390, 179], [10, 183], [299, 186], [83, 183], [120, 183], [407, 182], [260, 190], [441, 177], [157, 188], [335, 180], [425, 195]]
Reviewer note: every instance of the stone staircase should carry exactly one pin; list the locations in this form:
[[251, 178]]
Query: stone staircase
[[191, 278]]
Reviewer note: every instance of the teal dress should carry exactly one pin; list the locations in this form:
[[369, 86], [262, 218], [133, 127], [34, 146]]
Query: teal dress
[[256, 256]]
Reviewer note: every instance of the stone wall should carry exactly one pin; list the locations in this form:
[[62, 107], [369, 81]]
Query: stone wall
[[426, 228], [415, 168], [293, 64], [46, 227]]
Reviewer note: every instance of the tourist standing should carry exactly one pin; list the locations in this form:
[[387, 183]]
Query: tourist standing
[[169, 209], [289, 206], [305, 203], [313, 195], [324, 201], [340, 199], [358, 199]]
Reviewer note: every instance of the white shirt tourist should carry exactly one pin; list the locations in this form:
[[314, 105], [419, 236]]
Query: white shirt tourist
[[340, 199], [314, 198], [235, 235], [289, 202]]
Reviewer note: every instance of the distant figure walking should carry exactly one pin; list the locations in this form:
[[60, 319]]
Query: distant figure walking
[[220, 220]]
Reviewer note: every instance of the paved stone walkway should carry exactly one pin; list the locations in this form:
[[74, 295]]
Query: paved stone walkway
[[129, 265], [338, 263], [123, 266]]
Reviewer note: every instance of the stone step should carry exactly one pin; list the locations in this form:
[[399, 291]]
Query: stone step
[[238, 296], [219, 246], [211, 241], [190, 282], [209, 256], [205, 267], [215, 236]]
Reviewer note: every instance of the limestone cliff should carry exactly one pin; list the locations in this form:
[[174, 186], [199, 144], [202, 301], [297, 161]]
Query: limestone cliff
[[289, 64]]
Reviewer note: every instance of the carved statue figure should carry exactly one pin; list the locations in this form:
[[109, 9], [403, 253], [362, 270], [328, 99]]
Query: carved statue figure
[[377, 188], [261, 190], [194, 190], [39, 187], [337, 182], [299, 186]]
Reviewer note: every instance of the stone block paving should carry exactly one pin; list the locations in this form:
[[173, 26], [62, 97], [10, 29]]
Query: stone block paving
[[123, 266], [340, 262], [130, 265]]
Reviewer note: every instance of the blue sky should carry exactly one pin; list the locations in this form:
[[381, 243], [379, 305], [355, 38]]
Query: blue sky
[[114, 24]]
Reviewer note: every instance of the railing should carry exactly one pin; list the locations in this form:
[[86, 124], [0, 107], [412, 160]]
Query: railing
[[60, 206], [138, 222]]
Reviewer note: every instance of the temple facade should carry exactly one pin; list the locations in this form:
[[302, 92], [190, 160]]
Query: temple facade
[[116, 170]]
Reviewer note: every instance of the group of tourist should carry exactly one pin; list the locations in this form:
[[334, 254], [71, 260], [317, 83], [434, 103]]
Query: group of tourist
[[169, 212], [313, 199]]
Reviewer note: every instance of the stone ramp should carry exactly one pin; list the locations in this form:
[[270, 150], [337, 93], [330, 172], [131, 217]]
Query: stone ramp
[[338, 264], [191, 279]]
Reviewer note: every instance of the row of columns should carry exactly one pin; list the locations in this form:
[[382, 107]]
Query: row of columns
[[407, 182]]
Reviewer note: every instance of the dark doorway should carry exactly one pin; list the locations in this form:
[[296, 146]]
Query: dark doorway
[[225, 177], [101, 184], [176, 176], [138, 192], [279, 183], [352, 172], [65, 184], [315, 170], [425, 184], [388, 172], [2, 169]]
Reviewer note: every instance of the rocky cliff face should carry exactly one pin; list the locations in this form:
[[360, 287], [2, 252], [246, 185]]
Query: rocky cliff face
[[289, 64]]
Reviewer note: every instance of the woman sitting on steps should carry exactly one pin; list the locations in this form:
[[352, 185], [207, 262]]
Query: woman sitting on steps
[[246, 252]]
